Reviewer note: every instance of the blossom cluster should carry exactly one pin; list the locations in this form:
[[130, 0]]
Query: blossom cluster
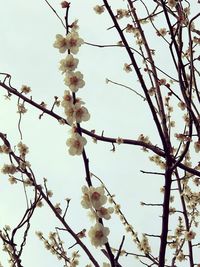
[[144, 245], [74, 108], [54, 244], [94, 198]]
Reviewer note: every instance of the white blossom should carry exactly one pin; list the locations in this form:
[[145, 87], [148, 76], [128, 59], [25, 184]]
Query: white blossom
[[61, 43], [99, 9], [93, 197], [73, 42], [189, 235], [67, 99], [74, 80], [76, 144], [172, 3], [85, 202], [25, 89], [98, 234], [197, 146], [23, 149], [127, 68], [76, 113], [105, 212], [68, 64], [8, 169]]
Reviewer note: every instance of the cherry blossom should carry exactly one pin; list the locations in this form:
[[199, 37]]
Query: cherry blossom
[[98, 234], [74, 80], [73, 42], [76, 144], [68, 64], [61, 43]]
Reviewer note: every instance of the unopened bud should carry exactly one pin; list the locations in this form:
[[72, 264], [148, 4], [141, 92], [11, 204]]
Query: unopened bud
[[65, 4]]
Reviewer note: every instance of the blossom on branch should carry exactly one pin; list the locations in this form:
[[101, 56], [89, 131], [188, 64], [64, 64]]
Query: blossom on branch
[[127, 67], [60, 43], [86, 203], [76, 113], [73, 42], [65, 4], [81, 113], [144, 245], [189, 235], [5, 149], [97, 196], [68, 64], [98, 234], [8, 169], [25, 89], [172, 3], [197, 146], [93, 197], [67, 99], [99, 9], [104, 213], [76, 144], [23, 149], [74, 80]]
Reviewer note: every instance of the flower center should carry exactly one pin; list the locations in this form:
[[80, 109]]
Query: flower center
[[73, 80], [99, 234], [96, 196], [72, 42]]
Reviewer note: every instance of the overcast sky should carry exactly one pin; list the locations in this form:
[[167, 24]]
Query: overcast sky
[[27, 34]]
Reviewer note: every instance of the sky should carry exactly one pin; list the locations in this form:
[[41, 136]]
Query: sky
[[27, 53]]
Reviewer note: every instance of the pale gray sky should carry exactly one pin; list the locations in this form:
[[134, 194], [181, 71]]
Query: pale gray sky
[[27, 34]]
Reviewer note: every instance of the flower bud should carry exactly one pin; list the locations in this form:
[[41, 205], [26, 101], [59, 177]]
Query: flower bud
[[65, 4]]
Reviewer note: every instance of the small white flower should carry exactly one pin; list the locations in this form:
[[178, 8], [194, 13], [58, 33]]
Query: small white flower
[[119, 140], [162, 32], [69, 112], [144, 245], [93, 197], [39, 234], [130, 28], [86, 203], [81, 113], [76, 144], [127, 68], [74, 25], [67, 99], [21, 109], [172, 3], [97, 197], [76, 113], [61, 43], [12, 180], [5, 149], [73, 42], [74, 80], [182, 105], [121, 13], [197, 146], [25, 89], [8, 169], [99, 9], [105, 212], [98, 234], [180, 256], [189, 235], [23, 149], [68, 64]]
